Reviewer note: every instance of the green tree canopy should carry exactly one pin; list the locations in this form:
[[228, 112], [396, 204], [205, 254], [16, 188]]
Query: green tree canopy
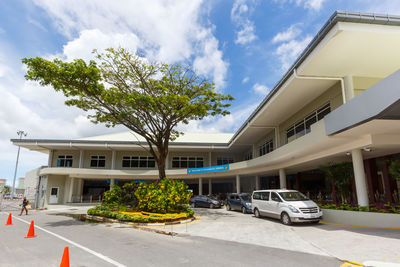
[[122, 88]]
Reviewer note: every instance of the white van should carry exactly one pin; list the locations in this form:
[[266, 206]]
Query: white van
[[287, 205]]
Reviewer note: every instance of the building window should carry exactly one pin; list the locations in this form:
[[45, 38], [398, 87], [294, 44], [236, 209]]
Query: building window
[[248, 156], [98, 162], [138, 162], [303, 126], [187, 162], [266, 148], [64, 161], [224, 160]]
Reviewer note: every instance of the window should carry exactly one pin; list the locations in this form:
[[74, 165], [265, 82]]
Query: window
[[303, 126], [98, 162], [275, 197], [64, 161], [266, 147], [264, 196], [248, 156], [138, 162], [256, 195], [224, 160], [187, 162]]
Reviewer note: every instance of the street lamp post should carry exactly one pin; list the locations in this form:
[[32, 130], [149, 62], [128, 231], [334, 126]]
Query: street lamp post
[[20, 134]]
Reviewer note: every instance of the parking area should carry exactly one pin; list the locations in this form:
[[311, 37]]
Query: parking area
[[345, 243]]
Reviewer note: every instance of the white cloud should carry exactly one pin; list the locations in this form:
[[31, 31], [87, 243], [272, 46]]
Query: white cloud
[[292, 32], [2, 30], [384, 7], [166, 31], [245, 79], [260, 89], [289, 51], [306, 4], [245, 29], [37, 24]]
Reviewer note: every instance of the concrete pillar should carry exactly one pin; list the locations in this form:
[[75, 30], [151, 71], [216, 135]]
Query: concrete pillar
[[112, 182], [81, 158], [71, 189], [359, 177], [209, 159], [209, 187], [257, 182], [348, 87], [254, 151], [237, 183], [282, 178], [200, 186], [113, 155], [50, 160]]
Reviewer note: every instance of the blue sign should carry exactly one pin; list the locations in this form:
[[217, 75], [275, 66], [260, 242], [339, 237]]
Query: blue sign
[[219, 168]]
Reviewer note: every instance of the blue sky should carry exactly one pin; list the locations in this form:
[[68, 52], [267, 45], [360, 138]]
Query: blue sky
[[244, 46]]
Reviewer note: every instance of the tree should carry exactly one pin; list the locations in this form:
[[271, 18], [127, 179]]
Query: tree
[[5, 190], [342, 176], [150, 99]]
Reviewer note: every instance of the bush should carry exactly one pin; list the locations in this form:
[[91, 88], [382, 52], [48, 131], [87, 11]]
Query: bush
[[166, 196]]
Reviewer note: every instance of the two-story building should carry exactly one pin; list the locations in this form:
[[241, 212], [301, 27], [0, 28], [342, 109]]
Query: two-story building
[[339, 101]]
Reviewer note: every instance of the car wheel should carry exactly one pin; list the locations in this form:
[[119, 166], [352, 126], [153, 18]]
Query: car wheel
[[193, 205], [257, 213], [211, 206], [244, 210], [285, 219], [315, 222], [228, 207]]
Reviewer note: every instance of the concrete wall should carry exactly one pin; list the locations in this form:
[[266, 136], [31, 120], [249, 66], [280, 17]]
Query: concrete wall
[[56, 181], [359, 218], [31, 185], [362, 83], [333, 95]]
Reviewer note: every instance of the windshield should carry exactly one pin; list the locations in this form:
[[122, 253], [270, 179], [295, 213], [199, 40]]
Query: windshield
[[245, 198], [293, 196]]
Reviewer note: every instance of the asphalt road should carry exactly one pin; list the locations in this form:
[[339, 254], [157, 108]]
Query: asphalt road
[[118, 245]]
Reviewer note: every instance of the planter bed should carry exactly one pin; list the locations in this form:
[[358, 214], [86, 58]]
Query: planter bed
[[110, 220], [359, 218]]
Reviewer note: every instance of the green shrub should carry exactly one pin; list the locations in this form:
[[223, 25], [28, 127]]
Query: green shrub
[[166, 196]]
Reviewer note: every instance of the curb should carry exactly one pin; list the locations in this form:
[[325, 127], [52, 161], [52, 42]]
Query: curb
[[141, 226]]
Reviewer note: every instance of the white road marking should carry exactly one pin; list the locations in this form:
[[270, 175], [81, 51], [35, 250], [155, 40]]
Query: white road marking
[[101, 256]]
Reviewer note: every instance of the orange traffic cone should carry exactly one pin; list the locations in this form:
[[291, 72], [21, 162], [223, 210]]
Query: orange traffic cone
[[9, 220], [65, 258], [31, 231]]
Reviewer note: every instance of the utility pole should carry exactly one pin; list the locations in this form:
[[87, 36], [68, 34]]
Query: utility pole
[[20, 134]]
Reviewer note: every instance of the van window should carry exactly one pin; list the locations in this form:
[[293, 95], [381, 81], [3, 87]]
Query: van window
[[256, 195], [275, 197], [264, 195]]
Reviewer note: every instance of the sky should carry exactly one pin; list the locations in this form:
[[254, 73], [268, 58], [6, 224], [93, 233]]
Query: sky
[[244, 46]]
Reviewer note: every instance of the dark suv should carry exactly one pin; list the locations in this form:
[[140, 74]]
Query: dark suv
[[240, 202], [205, 202]]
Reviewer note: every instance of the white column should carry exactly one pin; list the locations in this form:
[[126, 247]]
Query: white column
[[277, 137], [50, 161], [282, 178], [71, 189], [81, 158], [257, 182], [209, 159], [112, 182], [209, 187], [237, 183], [113, 160], [348, 87], [359, 176], [200, 186], [254, 151]]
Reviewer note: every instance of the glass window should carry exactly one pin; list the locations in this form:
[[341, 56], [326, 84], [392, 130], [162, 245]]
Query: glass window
[[267, 147], [264, 196], [293, 196], [256, 195], [224, 160], [64, 161], [138, 162], [275, 197]]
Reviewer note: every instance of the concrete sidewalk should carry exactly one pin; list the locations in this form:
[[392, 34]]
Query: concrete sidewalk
[[345, 243]]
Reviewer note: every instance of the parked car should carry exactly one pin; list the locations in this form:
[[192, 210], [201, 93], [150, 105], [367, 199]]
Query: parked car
[[287, 205], [204, 201], [240, 202]]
